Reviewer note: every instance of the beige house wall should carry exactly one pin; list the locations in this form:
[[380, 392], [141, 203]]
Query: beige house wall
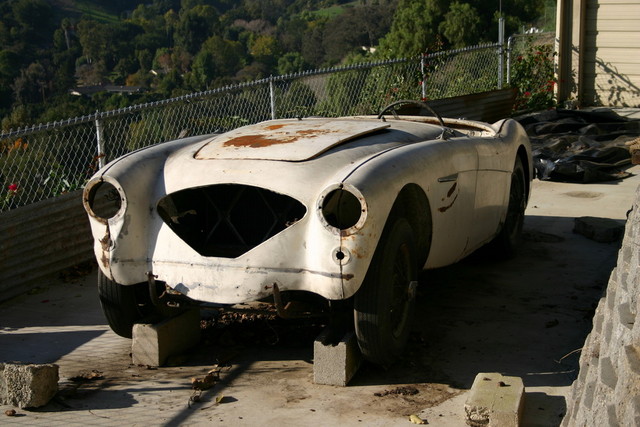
[[599, 52]]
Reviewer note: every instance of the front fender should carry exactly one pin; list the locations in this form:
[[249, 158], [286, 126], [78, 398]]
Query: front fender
[[138, 178]]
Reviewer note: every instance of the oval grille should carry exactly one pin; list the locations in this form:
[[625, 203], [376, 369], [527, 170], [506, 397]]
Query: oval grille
[[227, 220]]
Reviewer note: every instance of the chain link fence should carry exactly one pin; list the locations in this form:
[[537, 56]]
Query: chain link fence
[[518, 44], [48, 160]]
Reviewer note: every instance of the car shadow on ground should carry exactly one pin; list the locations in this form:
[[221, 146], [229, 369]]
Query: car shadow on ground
[[526, 317]]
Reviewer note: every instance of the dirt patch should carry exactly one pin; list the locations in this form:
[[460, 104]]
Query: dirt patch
[[410, 399], [583, 194]]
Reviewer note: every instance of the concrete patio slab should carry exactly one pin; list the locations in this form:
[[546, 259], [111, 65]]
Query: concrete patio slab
[[525, 317]]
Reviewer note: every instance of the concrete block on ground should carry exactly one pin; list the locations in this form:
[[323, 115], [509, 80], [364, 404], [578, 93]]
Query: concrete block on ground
[[28, 385], [154, 343], [603, 230], [634, 149], [335, 363], [495, 401]]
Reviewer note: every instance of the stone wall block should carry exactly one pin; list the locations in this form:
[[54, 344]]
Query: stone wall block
[[631, 416], [606, 335], [632, 358], [635, 333], [626, 316], [587, 399], [623, 280], [612, 417], [607, 373], [597, 323], [610, 297], [607, 390]]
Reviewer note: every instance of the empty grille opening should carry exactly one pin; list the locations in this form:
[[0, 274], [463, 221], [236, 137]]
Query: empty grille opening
[[228, 220]]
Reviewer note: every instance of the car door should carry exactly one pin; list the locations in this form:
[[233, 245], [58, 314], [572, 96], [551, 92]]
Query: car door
[[492, 188], [452, 197]]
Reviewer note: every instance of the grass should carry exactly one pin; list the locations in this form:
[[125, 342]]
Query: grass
[[102, 11], [333, 11], [99, 13]]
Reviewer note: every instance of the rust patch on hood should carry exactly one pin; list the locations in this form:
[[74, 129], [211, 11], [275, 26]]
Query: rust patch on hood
[[261, 141], [286, 140]]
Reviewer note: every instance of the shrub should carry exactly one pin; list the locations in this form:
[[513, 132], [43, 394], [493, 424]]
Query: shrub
[[532, 74]]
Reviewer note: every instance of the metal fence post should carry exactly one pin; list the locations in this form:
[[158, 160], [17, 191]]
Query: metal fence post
[[272, 93], [424, 77], [500, 52], [100, 142], [509, 42]]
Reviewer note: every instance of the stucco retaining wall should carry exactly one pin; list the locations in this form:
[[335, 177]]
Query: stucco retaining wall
[[607, 390]]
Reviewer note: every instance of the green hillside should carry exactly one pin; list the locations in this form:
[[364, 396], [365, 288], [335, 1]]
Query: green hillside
[[58, 58]]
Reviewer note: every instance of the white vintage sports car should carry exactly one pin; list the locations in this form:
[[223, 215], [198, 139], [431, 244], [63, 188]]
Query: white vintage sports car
[[342, 212]]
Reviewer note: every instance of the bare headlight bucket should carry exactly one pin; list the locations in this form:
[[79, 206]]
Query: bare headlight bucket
[[102, 199], [343, 208]]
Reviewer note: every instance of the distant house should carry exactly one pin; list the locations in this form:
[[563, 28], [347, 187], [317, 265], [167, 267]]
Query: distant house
[[90, 90], [599, 52]]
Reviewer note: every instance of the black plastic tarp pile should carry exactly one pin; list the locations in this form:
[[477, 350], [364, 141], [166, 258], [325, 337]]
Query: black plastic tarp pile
[[580, 146]]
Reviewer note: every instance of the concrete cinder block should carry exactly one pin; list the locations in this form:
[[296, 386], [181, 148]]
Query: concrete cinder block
[[603, 230], [335, 363], [28, 385], [495, 401], [154, 343]]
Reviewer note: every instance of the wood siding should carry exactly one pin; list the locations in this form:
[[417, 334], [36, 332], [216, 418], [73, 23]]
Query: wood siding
[[611, 67]]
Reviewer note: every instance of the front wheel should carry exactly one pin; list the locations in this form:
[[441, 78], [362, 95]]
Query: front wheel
[[384, 306], [123, 306]]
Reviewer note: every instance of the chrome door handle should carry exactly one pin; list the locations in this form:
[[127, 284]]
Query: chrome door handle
[[449, 178]]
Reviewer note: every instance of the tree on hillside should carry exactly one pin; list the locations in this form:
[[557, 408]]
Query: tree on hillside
[[417, 23], [414, 27], [32, 84], [360, 26], [290, 62], [265, 49], [194, 26], [34, 17], [107, 43], [461, 25], [9, 70], [312, 48], [218, 58], [269, 10], [291, 33]]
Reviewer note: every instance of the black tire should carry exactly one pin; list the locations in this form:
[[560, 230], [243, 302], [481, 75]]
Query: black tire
[[507, 241], [123, 306], [384, 305]]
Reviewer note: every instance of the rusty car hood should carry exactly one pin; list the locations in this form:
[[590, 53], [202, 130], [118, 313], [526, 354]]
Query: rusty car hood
[[286, 140]]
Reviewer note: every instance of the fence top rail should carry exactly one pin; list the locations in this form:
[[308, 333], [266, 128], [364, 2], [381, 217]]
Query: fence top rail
[[98, 115], [461, 50], [540, 35]]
